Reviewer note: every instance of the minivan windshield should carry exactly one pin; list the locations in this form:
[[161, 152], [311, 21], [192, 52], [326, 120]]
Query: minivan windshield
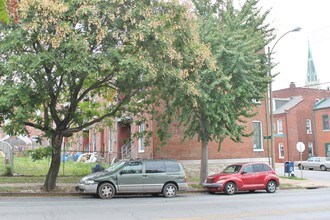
[[116, 166], [232, 169]]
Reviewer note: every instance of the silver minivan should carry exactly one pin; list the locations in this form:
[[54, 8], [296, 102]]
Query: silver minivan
[[165, 177]]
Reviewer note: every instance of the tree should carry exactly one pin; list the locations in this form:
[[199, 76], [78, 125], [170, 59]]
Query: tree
[[237, 36], [70, 64]]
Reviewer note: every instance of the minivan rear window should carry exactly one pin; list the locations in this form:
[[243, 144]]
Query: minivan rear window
[[172, 166], [155, 166]]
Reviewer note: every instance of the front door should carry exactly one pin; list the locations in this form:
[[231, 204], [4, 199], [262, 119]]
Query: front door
[[130, 178]]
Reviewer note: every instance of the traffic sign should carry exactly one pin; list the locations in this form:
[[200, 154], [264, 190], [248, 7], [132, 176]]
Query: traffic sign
[[300, 147]]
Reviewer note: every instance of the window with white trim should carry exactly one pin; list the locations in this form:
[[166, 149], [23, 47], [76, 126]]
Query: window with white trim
[[308, 126], [310, 149], [280, 150], [327, 149], [325, 120], [141, 139], [94, 141], [257, 136], [110, 140], [279, 126]]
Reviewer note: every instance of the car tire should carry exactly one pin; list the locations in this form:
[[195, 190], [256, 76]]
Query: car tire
[[301, 167], [271, 186], [170, 190], [106, 191], [230, 188], [323, 168]]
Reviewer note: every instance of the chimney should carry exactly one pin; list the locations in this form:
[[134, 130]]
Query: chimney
[[292, 85]]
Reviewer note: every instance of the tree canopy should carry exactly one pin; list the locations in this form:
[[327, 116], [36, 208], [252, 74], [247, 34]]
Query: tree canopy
[[225, 98], [67, 65]]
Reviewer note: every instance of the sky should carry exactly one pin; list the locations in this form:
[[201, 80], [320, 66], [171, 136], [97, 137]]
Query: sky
[[291, 52]]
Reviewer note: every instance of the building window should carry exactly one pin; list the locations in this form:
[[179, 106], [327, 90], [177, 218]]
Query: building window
[[310, 149], [280, 150], [79, 142], [325, 122], [279, 126], [141, 138], [308, 126], [110, 140], [257, 136], [327, 149], [94, 141]]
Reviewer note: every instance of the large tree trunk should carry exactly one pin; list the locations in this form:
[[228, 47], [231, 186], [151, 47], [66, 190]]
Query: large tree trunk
[[204, 157], [204, 162], [50, 182]]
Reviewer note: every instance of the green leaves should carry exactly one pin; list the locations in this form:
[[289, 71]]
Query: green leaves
[[40, 153], [80, 62], [223, 92], [3, 12]]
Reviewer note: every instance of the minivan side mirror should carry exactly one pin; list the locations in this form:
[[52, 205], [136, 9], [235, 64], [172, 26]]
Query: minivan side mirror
[[243, 172], [121, 172]]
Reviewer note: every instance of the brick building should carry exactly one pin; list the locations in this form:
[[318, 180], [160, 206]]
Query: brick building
[[294, 121], [119, 142], [321, 114]]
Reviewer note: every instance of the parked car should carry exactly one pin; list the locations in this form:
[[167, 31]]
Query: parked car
[[243, 177], [136, 176], [315, 163]]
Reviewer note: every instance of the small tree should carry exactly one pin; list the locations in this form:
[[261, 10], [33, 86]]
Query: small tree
[[70, 64]]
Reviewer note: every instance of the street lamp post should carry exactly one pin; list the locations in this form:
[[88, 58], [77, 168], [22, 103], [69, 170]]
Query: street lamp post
[[270, 97]]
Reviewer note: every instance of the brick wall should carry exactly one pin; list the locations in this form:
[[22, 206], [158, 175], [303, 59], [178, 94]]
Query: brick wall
[[322, 136]]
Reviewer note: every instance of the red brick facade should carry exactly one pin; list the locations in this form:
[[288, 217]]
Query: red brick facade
[[191, 149], [294, 121], [109, 141], [322, 134]]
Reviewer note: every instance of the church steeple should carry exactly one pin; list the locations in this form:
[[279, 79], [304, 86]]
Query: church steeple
[[312, 80]]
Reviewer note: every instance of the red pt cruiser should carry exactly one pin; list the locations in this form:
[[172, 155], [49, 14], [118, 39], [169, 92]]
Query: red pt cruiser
[[243, 177]]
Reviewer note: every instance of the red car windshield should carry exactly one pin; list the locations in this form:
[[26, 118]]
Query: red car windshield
[[232, 169]]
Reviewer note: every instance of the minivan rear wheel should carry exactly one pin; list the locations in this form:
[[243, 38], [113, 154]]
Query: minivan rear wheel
[[169, 190], [106, 191]]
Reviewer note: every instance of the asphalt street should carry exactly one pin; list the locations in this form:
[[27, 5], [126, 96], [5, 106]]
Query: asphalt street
[[284, 204]]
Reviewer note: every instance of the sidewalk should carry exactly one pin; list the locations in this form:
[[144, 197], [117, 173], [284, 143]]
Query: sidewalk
[[67, 189]]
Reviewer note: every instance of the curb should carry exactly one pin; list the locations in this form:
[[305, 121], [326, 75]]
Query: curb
[[77, 194], [42, 194]]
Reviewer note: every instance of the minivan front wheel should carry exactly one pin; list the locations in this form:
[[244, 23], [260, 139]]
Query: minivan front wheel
[[170, 190], [106, 191]]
